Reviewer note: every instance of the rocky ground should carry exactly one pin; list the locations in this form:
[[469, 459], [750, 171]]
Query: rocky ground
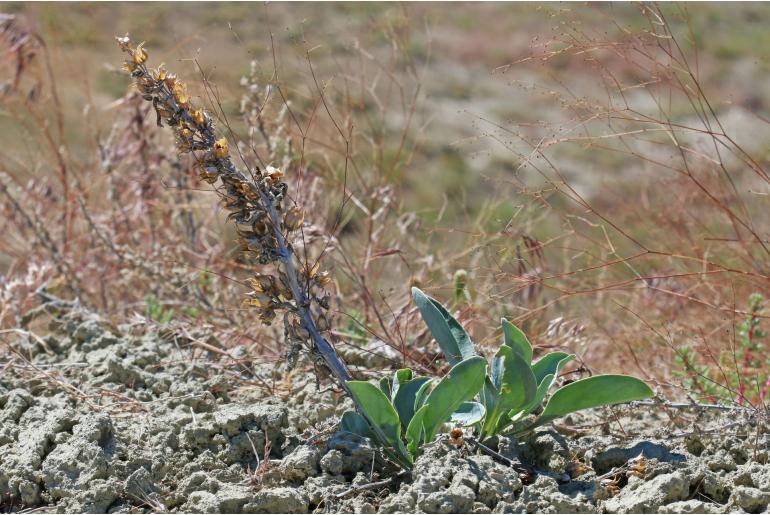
[[94, 418]]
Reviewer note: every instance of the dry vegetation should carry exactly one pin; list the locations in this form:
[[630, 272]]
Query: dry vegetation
[[597, 174]]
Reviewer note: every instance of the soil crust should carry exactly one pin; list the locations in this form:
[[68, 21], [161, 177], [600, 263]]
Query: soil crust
[[94, 419]]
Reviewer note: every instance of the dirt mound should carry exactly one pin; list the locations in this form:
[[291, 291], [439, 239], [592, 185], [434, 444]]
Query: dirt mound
[[95, 419]]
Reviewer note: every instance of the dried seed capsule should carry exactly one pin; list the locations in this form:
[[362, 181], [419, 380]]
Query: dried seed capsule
[[209, 174], [323, 278], [262, 283], [293, 219]]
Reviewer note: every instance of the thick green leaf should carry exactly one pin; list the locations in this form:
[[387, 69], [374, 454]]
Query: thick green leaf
[[461, 384], [490, 395], [422, 394], [435, 318], [551, 363], [517, 340], [378, 409], [593, 392], [415, 432], [518, 384], [405, 398], [385, 386], [542, 391], [401, 376], [467, 414], [496, 371], [463, 339], [354, 423], [517, 387]]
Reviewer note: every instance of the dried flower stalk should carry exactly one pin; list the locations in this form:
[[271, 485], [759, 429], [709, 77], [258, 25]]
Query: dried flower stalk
[[255, 203]]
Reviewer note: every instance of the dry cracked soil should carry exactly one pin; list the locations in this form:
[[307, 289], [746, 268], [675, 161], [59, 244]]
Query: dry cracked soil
[[99, 419]]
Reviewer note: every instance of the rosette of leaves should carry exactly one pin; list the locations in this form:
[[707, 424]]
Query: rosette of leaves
[[515, 388], [409, 410]]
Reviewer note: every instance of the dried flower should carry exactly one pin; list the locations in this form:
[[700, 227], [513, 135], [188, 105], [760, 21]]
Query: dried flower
[[198, 117], [220, 148], [180, 93], [124, 42], [274, 174], [160, 73], [140, 54]]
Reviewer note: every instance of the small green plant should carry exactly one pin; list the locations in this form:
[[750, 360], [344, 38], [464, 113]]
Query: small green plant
[[157, 311], [742, 376], [494, 399]]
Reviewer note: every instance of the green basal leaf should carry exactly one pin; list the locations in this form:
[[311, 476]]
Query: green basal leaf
[[415, 432], [593, 392], [401, 376], [385, 386], [461, 384], [405, 399], [490, 396], [378, 409], [450, 339], [517, 340], [354, 423], [467, 414], [383, 415], [422, 394], [517, 387], [496, 371], [542, 391], [551, 363], [463, 339]]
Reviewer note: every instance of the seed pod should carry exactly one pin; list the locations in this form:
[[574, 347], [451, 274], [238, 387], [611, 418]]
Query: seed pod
[[209, 174], [322, 323], [293, 219], [262, 283], [323, 279], [258, 299], [260, 227], [267, 316]]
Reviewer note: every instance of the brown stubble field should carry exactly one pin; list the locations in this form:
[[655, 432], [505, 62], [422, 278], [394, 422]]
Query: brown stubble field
[[598, 171]]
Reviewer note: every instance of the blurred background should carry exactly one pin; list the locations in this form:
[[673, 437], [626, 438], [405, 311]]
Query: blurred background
[[597, 173]]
